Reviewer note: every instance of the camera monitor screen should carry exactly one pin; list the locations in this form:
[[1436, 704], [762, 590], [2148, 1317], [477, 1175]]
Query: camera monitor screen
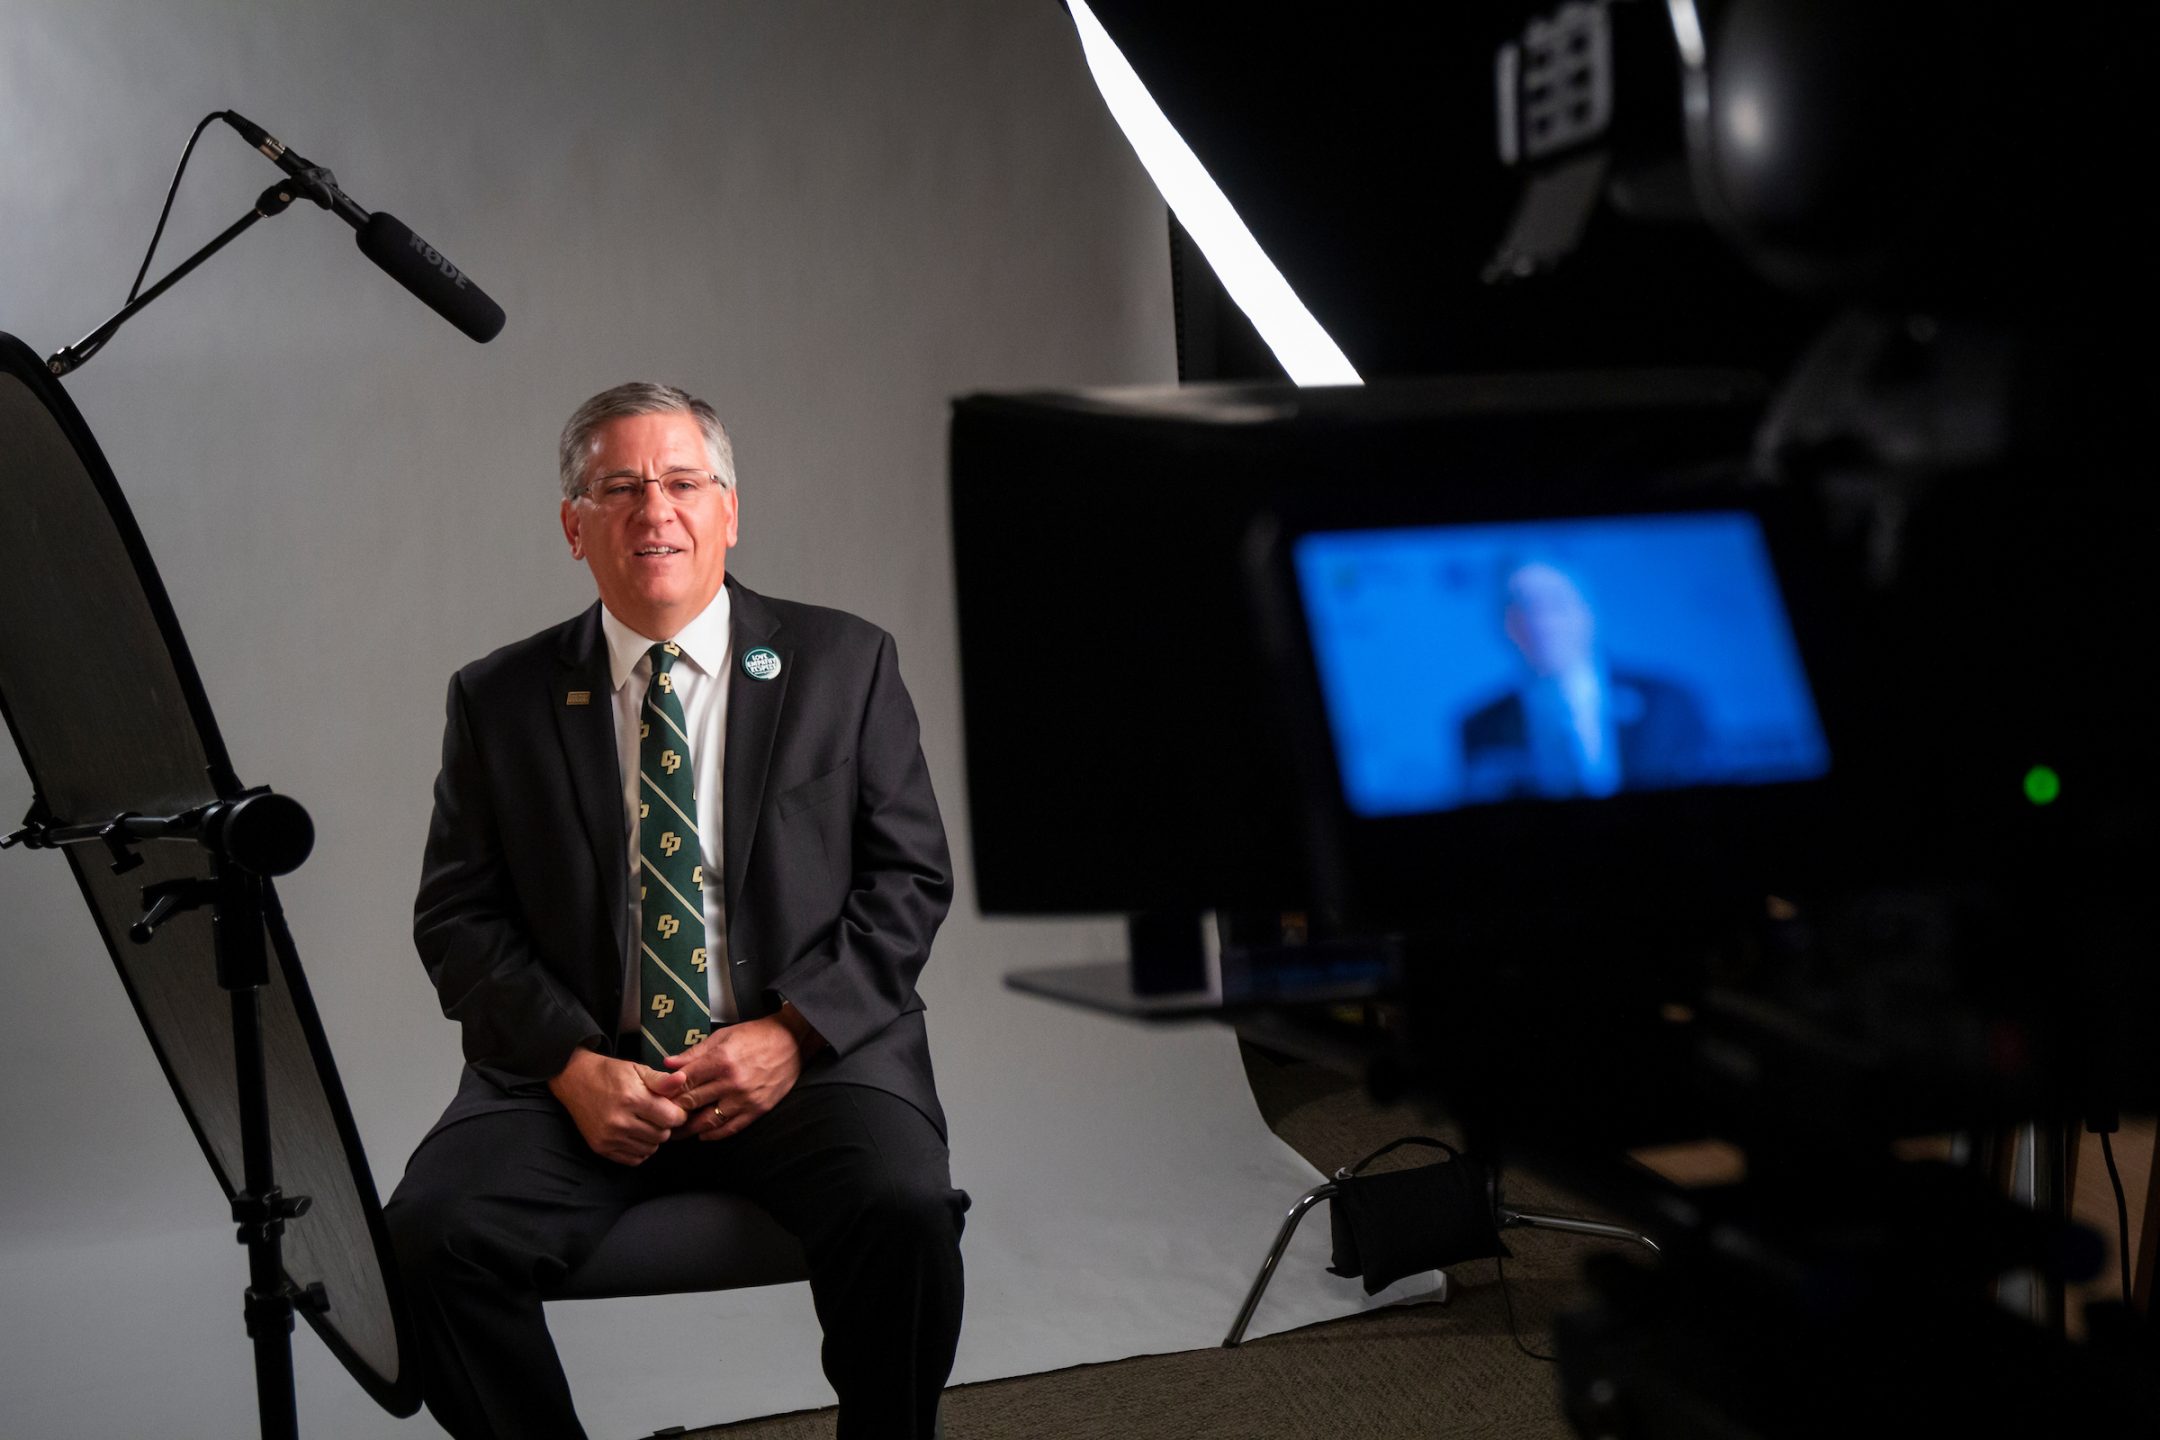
[[1575, 658]]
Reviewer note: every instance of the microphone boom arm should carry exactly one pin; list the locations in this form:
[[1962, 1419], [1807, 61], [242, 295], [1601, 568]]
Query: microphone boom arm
[[272, 201]]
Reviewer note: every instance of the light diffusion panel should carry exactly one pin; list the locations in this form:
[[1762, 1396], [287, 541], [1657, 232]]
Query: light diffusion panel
[[104, 703]]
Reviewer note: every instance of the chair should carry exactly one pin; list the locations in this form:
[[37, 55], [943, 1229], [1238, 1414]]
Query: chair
[[693, 1241], [676, 1244]]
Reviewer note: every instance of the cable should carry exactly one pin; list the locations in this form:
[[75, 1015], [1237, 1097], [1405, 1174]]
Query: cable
[[170, 191], [2122, 1214], [1507, 1298], [82, 357]]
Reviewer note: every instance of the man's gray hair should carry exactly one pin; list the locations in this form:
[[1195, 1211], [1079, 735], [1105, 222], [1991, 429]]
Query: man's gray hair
[[639, 397]]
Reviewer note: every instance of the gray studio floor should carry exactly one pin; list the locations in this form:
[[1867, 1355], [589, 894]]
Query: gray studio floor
[[1413, 1370]]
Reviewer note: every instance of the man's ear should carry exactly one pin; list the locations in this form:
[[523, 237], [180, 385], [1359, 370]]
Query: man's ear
[[573, 529]]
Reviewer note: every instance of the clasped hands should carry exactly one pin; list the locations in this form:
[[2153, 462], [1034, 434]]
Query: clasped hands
[[627, 1111]]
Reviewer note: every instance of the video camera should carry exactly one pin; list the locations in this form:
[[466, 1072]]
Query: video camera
[[1718, 744]]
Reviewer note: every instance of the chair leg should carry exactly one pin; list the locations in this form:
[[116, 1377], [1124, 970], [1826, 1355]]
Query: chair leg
[[1304, 1203]]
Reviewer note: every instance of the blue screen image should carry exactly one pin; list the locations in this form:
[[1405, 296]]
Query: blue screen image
[[1555, 659]]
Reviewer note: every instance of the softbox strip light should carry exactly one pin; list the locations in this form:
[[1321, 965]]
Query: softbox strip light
[[1302, 348]]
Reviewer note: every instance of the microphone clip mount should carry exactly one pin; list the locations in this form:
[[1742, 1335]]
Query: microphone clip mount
[[315, 183]]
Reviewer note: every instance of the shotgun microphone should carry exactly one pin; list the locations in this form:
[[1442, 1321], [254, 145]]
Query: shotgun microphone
[[425, 271], [384, 239]]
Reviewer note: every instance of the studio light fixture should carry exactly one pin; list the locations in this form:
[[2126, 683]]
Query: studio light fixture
[[1303, 349]]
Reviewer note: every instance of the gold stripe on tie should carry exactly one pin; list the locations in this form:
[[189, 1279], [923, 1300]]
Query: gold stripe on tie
[[694, 992], [670, 723], [578, 697], [687, 903], [670, 803]]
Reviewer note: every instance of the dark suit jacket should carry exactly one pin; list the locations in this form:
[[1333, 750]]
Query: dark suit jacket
[[836, 869], [1663, 739]]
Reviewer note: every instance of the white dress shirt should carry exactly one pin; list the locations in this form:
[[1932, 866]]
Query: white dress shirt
[[1574, 745], [701, 684]]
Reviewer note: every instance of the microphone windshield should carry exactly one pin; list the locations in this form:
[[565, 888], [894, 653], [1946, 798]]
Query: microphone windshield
[[425, 271]]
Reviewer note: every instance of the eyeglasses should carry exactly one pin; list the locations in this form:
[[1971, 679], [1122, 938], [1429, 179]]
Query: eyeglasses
[[686, 488]]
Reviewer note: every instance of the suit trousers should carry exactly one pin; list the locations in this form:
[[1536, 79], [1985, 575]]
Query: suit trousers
[[497, 1206]]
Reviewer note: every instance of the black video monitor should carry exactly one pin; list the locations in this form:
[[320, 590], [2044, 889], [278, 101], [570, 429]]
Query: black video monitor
[[1127, 742]]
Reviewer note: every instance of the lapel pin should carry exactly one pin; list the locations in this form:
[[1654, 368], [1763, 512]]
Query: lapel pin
[[578, 697], [761, 664]]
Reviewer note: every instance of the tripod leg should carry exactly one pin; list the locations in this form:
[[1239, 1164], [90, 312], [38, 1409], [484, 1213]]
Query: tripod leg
[[1305, 1202], [270, 1325], [260, 1209], [2051, 1140], [269, 1304], [2031, 1165], [1525, 1220], [2141, 1286]]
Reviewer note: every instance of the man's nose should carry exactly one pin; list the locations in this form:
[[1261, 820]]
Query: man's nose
[[652, 498]]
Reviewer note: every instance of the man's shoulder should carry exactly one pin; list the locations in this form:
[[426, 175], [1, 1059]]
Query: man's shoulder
[[538, 652], [818, 625], [794, 621], [1656, 692], [1499, 721]]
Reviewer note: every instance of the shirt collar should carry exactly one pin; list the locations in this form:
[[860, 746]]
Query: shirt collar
[[704, 641]]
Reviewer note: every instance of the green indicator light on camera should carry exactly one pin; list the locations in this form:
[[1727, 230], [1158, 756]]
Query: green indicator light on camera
[[2042, 785]]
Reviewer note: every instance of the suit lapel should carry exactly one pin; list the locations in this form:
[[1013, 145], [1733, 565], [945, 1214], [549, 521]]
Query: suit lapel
[[587, 731], [753, 719]]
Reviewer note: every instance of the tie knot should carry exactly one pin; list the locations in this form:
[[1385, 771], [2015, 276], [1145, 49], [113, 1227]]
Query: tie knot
[[664, 655]]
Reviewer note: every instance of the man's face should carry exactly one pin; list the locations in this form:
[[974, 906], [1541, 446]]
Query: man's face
[[1549, 620], [657, 563]]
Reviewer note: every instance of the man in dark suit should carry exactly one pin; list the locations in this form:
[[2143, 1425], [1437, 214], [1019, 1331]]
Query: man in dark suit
[[1575, 726], [684, 869]]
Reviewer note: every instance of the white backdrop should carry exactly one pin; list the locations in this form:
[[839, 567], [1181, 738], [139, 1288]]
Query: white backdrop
[[829, 219]]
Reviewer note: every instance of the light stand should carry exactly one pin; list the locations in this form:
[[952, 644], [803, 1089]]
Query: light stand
[[254, 836]]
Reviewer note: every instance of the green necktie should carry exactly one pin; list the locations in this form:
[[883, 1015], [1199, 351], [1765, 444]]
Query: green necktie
[[671, 933]]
